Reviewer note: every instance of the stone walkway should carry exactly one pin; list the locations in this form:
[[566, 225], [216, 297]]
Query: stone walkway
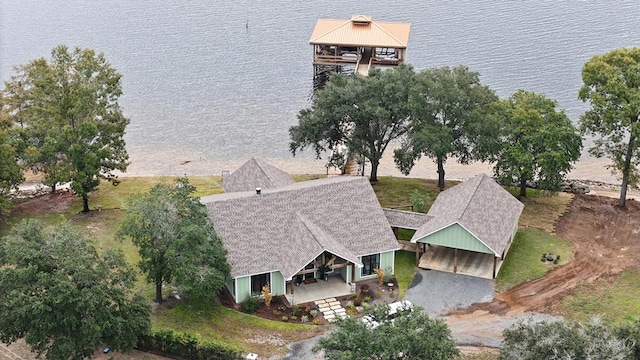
[[331, 309]]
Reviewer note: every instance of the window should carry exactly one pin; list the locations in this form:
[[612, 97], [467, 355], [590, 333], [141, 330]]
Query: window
[[258, 281], [370, 262]]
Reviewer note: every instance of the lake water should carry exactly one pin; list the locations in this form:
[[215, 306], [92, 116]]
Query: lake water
[[209, 84]]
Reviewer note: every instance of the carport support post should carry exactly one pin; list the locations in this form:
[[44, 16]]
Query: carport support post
[[455, 260], [417, 254], [495, 260]]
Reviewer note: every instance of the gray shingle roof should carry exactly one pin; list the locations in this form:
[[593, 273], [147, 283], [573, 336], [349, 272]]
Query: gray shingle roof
[[286, 228], [481, 206], [255, 173], [405, 219]]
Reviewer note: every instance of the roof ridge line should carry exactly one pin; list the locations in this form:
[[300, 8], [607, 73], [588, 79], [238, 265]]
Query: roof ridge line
[[330, 31], [261, 169], [304, 222], [388, 33], [466, 207]]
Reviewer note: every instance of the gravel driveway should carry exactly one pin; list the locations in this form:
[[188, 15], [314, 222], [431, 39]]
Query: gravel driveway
[[437, 292]]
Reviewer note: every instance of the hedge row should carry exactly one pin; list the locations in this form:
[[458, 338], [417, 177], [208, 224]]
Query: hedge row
[[186, 346]]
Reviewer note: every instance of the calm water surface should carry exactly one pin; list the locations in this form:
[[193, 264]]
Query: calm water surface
[[208, 84]]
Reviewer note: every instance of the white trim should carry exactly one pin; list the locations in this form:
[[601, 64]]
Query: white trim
[[379, 264], [263, 272], [470, 232], [315, 257], [235, 289]]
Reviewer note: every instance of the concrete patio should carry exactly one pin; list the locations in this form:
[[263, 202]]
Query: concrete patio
[[468, 262], [334, 287]]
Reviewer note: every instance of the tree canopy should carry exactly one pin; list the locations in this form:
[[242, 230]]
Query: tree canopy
[[448, 118], [71, 125], [176, 240], [556, 340], [412, 335], [10, 170], [64, 298], [360, 113], [612, 88], [538, 143]]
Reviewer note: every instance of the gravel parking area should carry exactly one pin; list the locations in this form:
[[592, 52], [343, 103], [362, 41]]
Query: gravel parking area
[[437, 292]]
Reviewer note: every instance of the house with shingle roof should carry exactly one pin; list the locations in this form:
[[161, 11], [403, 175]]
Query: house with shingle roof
[[256, 174], [477, 216], [288, 234]]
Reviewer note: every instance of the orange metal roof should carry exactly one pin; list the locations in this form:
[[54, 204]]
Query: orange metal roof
[[353, 33]]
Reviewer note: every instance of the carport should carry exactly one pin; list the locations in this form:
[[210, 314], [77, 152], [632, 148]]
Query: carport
[[469, 229], [459, 261]]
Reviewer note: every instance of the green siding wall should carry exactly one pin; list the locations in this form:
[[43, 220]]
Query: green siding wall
[[344, 272], [455, 236], [387, 259], [230, 286], [243, 288], [277, 283]]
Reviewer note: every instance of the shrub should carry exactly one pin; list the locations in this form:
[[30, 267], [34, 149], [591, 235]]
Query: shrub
[[313, 313], [277, 312], [392, 294], [295, 310], [366, 299], [185, 345], [250, 305], [351, 310], [267, 295], [364, 288], [419, 201], [354, 296], [566, 340], [293, 318], [285, 318], [380, 274], [304, 319], [357, 301], [316, 322]]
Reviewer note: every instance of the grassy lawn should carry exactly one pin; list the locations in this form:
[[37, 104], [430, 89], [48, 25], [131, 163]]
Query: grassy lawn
[[405, 267], [523, 261], [220, 324], [217, 323], [543, 212], [615, 300], [394, 192]]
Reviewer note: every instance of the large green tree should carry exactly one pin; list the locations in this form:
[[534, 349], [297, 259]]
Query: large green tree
[[64, 298], [537, 143], [71, 125], [558, 340], [10, 171], [176, 240], [360, 113], [612, 88], [411, 336], [449, 109]]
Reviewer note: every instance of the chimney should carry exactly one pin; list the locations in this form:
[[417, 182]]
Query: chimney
[[258, 191]]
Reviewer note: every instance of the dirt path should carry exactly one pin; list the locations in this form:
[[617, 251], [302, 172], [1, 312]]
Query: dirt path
[[606, 240]]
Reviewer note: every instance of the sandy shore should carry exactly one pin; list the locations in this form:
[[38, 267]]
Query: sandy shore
[[176, 163]]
